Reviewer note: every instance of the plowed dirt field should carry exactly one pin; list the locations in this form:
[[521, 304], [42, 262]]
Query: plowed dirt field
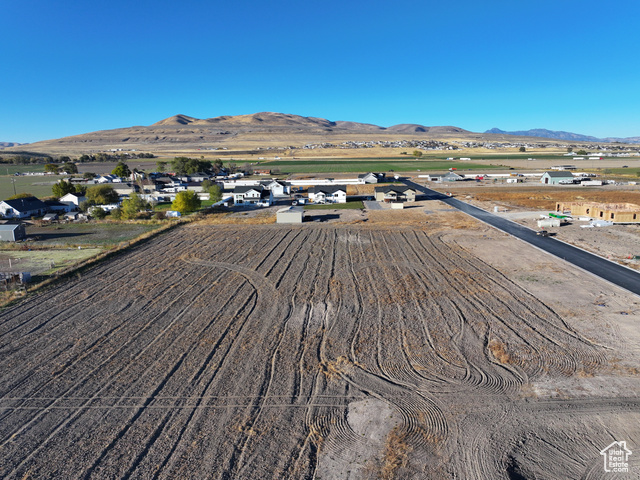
[[337, 351]]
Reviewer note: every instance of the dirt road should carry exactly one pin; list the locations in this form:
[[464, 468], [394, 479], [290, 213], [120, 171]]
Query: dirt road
[[337, 351]]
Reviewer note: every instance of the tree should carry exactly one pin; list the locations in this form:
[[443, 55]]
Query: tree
[[116, 213], [186, 202], [232, 168], [69, 167], [215, 193], [98, 212], [217, 166], [121, 170], [20, 195], [131, 206], [417, 153], [523, 149], [51, 168], [102, 195], [581, 152], [89, 175], [61, 188], [161, 166], [187, 166]]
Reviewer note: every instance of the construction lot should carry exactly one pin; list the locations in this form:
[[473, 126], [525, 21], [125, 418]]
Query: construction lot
[[409, 345]]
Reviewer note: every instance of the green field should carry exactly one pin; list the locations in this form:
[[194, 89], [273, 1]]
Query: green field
[[363, 166], [10, 169], [336, 206], [40, 186]]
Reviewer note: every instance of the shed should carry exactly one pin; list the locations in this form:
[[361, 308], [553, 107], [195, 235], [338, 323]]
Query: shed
[[290, 215], [12, 233], [50, 217]]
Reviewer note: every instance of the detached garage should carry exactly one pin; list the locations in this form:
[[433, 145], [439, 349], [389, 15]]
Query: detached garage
[[290, 215], [12, 233]]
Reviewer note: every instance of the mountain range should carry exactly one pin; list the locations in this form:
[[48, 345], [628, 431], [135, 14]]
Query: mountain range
[[560, 135], [273, 130]]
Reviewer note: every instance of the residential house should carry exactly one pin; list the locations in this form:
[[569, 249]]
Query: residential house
[[447, 177], [124, 189], [395, 193], [59, 207], [278, 187], [368, 177], [328, 194], [22, 208], [110, 178], [252, 195], [554, 178], [73, 199]]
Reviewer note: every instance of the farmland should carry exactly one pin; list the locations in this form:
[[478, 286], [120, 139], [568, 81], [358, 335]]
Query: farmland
[[229, 351], [350, 165]]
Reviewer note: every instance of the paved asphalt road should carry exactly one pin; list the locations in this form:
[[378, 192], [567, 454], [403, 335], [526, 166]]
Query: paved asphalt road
[[614, 273]]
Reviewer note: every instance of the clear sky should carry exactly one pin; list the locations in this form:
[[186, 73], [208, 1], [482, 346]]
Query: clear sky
[[69, 67]]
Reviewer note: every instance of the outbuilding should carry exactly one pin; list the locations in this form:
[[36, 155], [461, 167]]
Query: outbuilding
[[554, 178], [12, 233], [290, 215]]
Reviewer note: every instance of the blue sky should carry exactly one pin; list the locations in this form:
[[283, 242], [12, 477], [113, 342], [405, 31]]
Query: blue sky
[[72, 67]]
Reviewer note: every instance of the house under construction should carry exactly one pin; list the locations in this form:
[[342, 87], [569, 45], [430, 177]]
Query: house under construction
[[612, 212]]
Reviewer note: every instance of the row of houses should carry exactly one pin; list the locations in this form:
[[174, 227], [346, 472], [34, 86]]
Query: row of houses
[[338, 194]]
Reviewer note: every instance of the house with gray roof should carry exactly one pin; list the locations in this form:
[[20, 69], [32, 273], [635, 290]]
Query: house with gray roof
[[22, 208], [252, 195], [395, 193]]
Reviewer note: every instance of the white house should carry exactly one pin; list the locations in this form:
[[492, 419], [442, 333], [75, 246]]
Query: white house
[[22, 208], [368, 177], [253, 195], [110, 178], [278, 187], [73, 199], [328, 194]]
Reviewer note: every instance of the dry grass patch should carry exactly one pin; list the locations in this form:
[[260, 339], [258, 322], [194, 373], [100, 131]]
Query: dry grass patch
[[229, 218], [499, 351], [395, 456]]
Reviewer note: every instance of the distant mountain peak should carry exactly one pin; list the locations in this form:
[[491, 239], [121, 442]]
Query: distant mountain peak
[[544, 133]]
